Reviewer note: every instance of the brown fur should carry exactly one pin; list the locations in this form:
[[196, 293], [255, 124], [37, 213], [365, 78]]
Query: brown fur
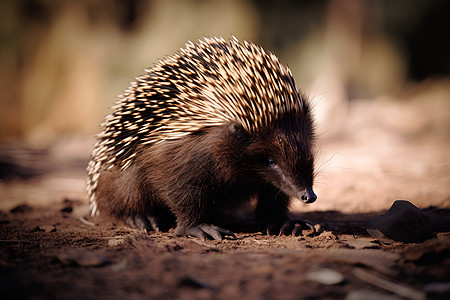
[[197, 176]]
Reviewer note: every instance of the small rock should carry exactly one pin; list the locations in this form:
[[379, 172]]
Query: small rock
[[113, 242], [361, 244], [67, 209], [405, 223], [326, 235], [37, 229], [326, 276], [194, 283], [21, 209], [47, 228], [44, 228]]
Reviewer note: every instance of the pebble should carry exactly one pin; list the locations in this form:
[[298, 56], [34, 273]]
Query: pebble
[[20, 209], [48, 228], [361, 244], [326, 276], [113, 242], [194, 283]]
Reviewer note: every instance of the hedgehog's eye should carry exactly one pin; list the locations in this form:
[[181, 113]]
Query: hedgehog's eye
[[271, 162]]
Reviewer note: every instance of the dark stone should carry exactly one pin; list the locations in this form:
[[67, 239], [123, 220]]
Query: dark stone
[[21, 209], [404, 222]]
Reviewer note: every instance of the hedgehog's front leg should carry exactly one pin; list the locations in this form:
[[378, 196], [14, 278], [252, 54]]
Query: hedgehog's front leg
[[195, 215], [272, 211], [272, 214], [296, 228]]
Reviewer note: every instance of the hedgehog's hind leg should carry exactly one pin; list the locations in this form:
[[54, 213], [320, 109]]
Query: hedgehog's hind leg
[[125, 196], [203, 231], [144, 223], [155, 217]]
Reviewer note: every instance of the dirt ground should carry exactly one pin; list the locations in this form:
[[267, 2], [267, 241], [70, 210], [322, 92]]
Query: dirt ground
[[50, 253], [51, 249]]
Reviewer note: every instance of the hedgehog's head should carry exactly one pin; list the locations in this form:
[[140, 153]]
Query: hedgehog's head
[[288, 158], [281, 155]]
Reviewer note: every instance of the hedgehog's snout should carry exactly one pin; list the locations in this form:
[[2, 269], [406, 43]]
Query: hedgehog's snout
[[308, 196]]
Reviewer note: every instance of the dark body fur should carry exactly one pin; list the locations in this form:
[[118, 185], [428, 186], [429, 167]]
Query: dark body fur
[[197, 176]]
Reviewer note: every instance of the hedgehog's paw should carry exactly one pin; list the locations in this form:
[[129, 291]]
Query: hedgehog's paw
[[144, 223], [291, 228], [204, 231]]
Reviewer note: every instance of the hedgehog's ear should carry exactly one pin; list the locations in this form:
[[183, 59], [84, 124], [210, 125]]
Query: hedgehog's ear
[[237, 132]]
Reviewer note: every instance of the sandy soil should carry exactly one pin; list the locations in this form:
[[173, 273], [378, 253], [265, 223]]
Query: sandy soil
[[50, 253]]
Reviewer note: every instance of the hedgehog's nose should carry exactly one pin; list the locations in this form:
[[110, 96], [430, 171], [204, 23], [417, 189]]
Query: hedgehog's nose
[[309, 196]]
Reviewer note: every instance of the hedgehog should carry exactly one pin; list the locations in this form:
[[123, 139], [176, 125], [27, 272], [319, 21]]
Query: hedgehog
[[217, 124]]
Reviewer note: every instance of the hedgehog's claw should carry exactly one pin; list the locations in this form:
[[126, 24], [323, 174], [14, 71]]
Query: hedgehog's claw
[[154, 223], [287, 228], [204, 231], [291, 228], [145, 224]]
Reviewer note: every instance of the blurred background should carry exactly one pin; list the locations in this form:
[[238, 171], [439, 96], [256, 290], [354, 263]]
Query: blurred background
[[377, 73]]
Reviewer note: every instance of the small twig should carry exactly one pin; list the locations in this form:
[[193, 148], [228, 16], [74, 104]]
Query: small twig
[[399, 289], [86, 222]]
